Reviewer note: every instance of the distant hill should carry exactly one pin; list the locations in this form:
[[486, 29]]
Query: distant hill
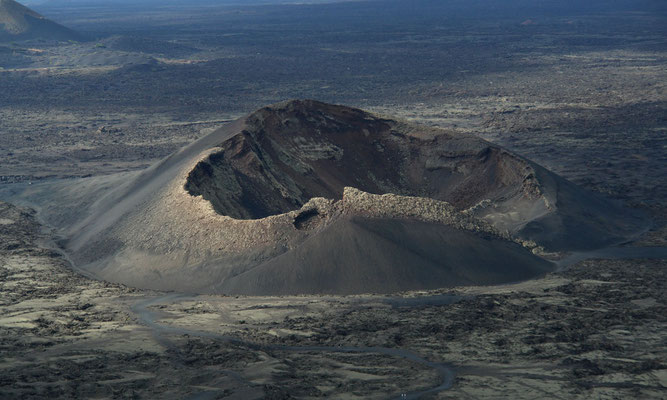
[[18, 22]]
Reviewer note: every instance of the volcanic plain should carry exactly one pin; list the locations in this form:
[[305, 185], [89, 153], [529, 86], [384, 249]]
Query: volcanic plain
[[579, 91]]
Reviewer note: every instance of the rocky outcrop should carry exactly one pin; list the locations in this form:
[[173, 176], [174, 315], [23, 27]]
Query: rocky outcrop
[[357, 202]]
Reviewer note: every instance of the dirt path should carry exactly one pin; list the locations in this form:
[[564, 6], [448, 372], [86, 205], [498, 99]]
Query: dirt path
[[161, 331]]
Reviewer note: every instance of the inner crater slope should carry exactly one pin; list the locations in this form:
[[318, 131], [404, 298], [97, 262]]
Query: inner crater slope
[[288, 154], [308, 197]]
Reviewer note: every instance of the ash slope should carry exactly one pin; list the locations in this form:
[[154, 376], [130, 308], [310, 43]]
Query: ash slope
[[361, 255], [307, 197], [18, 22]]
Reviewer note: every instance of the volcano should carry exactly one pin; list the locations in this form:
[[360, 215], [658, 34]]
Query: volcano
[[308, 197], [18, 22]]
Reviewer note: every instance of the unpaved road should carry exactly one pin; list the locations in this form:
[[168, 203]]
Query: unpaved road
[[150, 319]]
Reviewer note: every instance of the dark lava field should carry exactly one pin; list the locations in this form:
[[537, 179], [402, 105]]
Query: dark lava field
[[341, 199]]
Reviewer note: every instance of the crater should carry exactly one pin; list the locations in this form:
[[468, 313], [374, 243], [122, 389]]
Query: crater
[[291, 152]]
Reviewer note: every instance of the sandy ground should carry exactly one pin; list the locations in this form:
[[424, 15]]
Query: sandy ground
[[594, 331]]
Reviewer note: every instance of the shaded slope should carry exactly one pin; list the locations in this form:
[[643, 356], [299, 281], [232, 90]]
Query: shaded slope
[[360, 255], [583, 220]]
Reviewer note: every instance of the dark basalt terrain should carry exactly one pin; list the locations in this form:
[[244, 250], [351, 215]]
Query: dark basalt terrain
[[18, 22], [579, 88]]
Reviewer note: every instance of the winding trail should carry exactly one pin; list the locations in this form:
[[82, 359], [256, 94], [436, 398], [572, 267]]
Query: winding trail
[[445, 372], [149, 319]]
